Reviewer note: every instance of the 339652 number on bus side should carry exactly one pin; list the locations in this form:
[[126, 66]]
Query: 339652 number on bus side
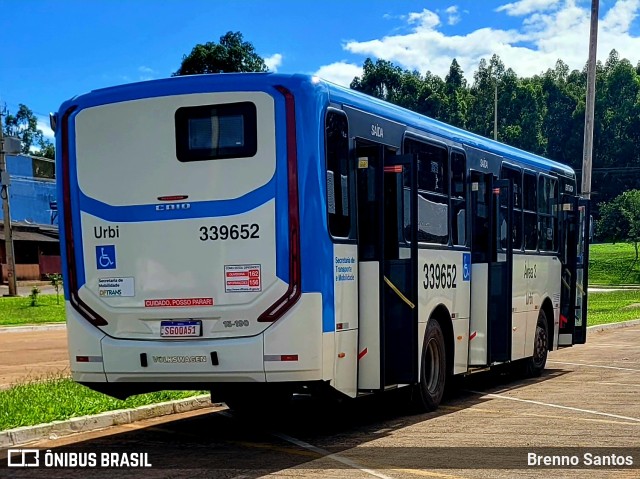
[[439, 276]]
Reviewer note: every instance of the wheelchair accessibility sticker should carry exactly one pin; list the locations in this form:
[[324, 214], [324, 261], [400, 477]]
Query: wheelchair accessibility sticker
[[106, 256], [466, 266]]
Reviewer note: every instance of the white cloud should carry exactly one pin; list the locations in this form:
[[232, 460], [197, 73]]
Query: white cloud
[[341, 73], [425, 19], [273, 62], [453, 15], [621, 15], [43, 124], [146, 73], [549, 30], [525, 7]]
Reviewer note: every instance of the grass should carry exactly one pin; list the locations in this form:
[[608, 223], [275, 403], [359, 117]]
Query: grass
[[613, 307], [18, 310], [60, 398], [613, 264]]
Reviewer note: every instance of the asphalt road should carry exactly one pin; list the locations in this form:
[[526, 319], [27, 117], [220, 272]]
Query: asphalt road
[[588, 398], [32, 355]]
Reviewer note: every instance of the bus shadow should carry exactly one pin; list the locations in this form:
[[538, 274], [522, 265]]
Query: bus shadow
[[300, 435]]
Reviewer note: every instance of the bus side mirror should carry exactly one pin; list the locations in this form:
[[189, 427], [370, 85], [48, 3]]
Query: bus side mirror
[[592, 228]]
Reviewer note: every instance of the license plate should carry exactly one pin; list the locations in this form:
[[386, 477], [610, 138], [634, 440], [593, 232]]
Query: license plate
[[180, 329]]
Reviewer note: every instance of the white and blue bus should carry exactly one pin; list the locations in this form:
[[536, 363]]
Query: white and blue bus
[[260, 235]]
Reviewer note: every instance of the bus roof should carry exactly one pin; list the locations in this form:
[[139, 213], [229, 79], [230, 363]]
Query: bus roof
[[338, 94], [402, 115]]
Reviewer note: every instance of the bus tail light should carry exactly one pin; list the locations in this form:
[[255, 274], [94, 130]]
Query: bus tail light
[[291, 296], [72, 278]]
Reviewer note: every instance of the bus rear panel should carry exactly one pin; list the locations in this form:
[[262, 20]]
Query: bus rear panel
[[181, 225]]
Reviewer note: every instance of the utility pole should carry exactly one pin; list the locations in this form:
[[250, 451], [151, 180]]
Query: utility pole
[[8, 236], [495, 110], [587, 151], [495, 102]]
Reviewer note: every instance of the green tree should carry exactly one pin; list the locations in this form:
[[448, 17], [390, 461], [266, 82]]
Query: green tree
[[434, 98], [561, 126], [621, 111], [47, 150], [521, 113], [481, 111], [457, 96], [232, 54], [620, 219], [405, 88], [24, 125], [55, 280], [381, 79]]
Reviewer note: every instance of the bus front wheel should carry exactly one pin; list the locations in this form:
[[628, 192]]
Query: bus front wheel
[[428, 392]]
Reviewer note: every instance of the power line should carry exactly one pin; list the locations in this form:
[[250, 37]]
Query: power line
[[17, 106], [618, 169]]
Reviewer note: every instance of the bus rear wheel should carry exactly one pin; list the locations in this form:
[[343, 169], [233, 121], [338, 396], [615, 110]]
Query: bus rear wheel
[[535, 364], [428, 392]]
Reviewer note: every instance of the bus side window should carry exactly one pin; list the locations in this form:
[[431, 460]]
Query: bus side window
[[547, 200], [513, 174], [338, 174], [529, 205], [458, 199], [433, 191]]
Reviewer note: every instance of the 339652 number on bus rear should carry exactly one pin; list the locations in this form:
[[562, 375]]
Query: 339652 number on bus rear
[[439, 276], [229, 232]]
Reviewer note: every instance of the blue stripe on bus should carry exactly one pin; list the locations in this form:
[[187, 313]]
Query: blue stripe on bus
[[282, 191], [198, 209], [75, 200], [316, 247]]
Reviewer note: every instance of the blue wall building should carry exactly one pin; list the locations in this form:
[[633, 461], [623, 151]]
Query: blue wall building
[[32, 192], [34, 218]]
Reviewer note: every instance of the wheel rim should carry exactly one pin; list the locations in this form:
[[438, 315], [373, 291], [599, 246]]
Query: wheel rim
[[541, 347], [433, 366]]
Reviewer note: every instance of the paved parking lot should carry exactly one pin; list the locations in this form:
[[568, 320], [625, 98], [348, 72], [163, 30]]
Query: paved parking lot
[[589, 398]]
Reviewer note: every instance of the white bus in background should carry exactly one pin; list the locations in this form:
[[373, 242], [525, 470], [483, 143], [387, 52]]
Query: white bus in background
[[259, 235]]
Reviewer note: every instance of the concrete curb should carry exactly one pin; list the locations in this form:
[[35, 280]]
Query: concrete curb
[[33, 327], [55, 429], [622, 324]]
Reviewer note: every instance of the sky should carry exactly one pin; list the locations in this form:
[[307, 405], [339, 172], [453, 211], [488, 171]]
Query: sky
[[52, 50]]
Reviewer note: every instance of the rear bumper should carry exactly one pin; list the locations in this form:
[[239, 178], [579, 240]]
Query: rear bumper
[[239, 360], [162, 364]]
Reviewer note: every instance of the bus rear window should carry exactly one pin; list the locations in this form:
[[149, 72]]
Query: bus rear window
[[214, 132]]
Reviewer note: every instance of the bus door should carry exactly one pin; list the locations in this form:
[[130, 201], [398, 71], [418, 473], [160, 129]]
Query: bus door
[[582, 271], [387, 339], [575, 221], [500, 308], [399, 291], [491, 270]]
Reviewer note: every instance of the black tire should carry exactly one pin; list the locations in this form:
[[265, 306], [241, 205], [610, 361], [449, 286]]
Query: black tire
[[428, 393], [534, 365]]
